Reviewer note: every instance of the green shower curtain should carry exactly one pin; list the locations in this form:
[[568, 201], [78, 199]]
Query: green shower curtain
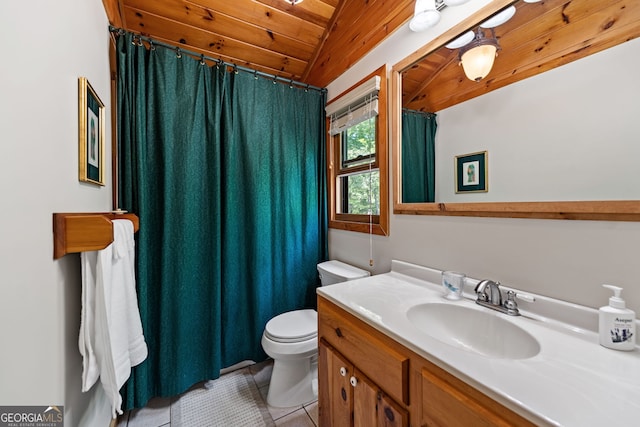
[[227, 174], [418, 156]]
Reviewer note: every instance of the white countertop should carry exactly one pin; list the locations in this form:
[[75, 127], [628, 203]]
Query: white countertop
[[572, 381]]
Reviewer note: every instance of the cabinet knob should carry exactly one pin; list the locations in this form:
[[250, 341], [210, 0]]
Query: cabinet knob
[[353, 381], [338, 332], [343, 371]]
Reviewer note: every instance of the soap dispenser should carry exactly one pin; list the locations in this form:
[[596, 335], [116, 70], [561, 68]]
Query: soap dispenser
[[617, 323]]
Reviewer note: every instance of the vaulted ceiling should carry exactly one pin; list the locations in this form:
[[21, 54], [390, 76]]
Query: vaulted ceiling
[[312, 42], [315, 41]]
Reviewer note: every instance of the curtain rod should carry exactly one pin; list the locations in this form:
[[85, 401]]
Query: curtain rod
[[424, 113], [236, 67]]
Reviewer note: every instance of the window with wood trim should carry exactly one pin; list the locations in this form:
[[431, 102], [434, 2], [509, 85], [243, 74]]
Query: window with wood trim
[[357, 157]]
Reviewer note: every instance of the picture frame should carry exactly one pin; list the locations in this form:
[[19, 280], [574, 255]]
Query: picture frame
[[91, 134], [471, 173]]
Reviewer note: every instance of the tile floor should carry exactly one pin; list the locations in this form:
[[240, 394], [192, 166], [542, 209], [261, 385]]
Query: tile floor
[[157, 413]]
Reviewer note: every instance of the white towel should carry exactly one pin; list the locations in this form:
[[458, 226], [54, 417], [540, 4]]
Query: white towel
[[112, 341], [90, 370]]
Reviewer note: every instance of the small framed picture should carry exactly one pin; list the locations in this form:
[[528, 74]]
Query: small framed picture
[[471, 173], [90, 134]]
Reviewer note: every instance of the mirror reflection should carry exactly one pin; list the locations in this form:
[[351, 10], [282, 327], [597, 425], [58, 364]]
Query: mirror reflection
[[561, 127]]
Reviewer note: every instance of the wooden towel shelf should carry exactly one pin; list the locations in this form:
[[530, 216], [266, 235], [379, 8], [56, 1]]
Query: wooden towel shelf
[[79, 232]]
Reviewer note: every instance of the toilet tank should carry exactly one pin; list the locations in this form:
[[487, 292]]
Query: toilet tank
[[336, 271]]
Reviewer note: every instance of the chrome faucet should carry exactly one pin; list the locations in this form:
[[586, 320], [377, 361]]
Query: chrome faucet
[[489, 295], [489, 291]]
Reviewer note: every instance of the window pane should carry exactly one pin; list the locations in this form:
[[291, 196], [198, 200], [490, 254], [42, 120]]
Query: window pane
[[361, 193], [359, 145]]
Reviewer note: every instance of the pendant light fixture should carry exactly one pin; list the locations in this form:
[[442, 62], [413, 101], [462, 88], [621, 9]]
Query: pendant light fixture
[[425, 15], [293, 2], [477, 57], [478, 50]]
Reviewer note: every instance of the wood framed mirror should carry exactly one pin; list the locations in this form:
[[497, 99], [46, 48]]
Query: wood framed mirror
[[541, 37]]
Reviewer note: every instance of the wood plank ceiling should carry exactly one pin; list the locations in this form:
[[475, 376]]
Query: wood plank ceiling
[[312, 42], [315, 41]]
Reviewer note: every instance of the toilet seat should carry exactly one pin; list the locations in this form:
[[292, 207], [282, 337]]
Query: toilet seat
[[292, 326]]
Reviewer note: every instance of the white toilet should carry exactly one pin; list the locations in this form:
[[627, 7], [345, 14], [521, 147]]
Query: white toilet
[[291, 340]]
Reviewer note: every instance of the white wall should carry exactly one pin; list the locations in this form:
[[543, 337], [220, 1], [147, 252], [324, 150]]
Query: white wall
[[47, 46], [563, 259]]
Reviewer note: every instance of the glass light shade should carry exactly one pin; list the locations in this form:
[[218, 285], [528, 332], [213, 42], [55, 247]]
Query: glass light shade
[[499, 18], [477, 62], [463, 40], [425, 15], [422, 5]]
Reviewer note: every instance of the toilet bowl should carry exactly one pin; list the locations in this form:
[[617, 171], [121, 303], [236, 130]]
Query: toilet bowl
[[291, 340]]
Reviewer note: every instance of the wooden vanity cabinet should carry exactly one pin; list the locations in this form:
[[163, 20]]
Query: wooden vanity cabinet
[[367, 379]]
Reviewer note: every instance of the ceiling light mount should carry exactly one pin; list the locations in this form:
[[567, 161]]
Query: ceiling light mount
[[477, 56], [293, 2], [452, 3]]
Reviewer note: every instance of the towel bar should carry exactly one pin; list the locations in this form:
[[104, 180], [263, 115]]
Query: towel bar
[[79, 232]]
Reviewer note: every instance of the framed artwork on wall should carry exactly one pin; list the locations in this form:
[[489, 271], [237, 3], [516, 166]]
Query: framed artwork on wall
[[91, 132], [471, 173]]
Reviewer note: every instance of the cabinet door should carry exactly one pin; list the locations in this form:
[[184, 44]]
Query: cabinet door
[[365, 399], [335, 397], [372, 408], [444, 404]]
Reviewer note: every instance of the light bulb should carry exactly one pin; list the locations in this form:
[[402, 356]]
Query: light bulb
[[477, 62]]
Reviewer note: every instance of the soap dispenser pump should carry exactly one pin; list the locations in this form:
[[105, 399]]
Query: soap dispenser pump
[[617, 323]]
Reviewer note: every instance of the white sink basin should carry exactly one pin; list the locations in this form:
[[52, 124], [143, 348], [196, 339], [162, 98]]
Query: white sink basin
[[476, 330]]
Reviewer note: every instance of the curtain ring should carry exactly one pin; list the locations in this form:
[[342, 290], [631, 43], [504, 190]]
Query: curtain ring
[[306, 89], [202, 59], [178, 53], [255, 74], [235, 69], [291, 84], [152, 46], [133, 40], [275, 80], [140, 41]]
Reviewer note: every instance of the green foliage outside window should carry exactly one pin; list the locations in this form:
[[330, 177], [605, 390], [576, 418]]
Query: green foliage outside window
[[360, 143], [363, 189], [364, 193]]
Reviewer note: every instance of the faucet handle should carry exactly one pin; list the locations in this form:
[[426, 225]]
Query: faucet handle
[[510, 304], [526, 297]]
